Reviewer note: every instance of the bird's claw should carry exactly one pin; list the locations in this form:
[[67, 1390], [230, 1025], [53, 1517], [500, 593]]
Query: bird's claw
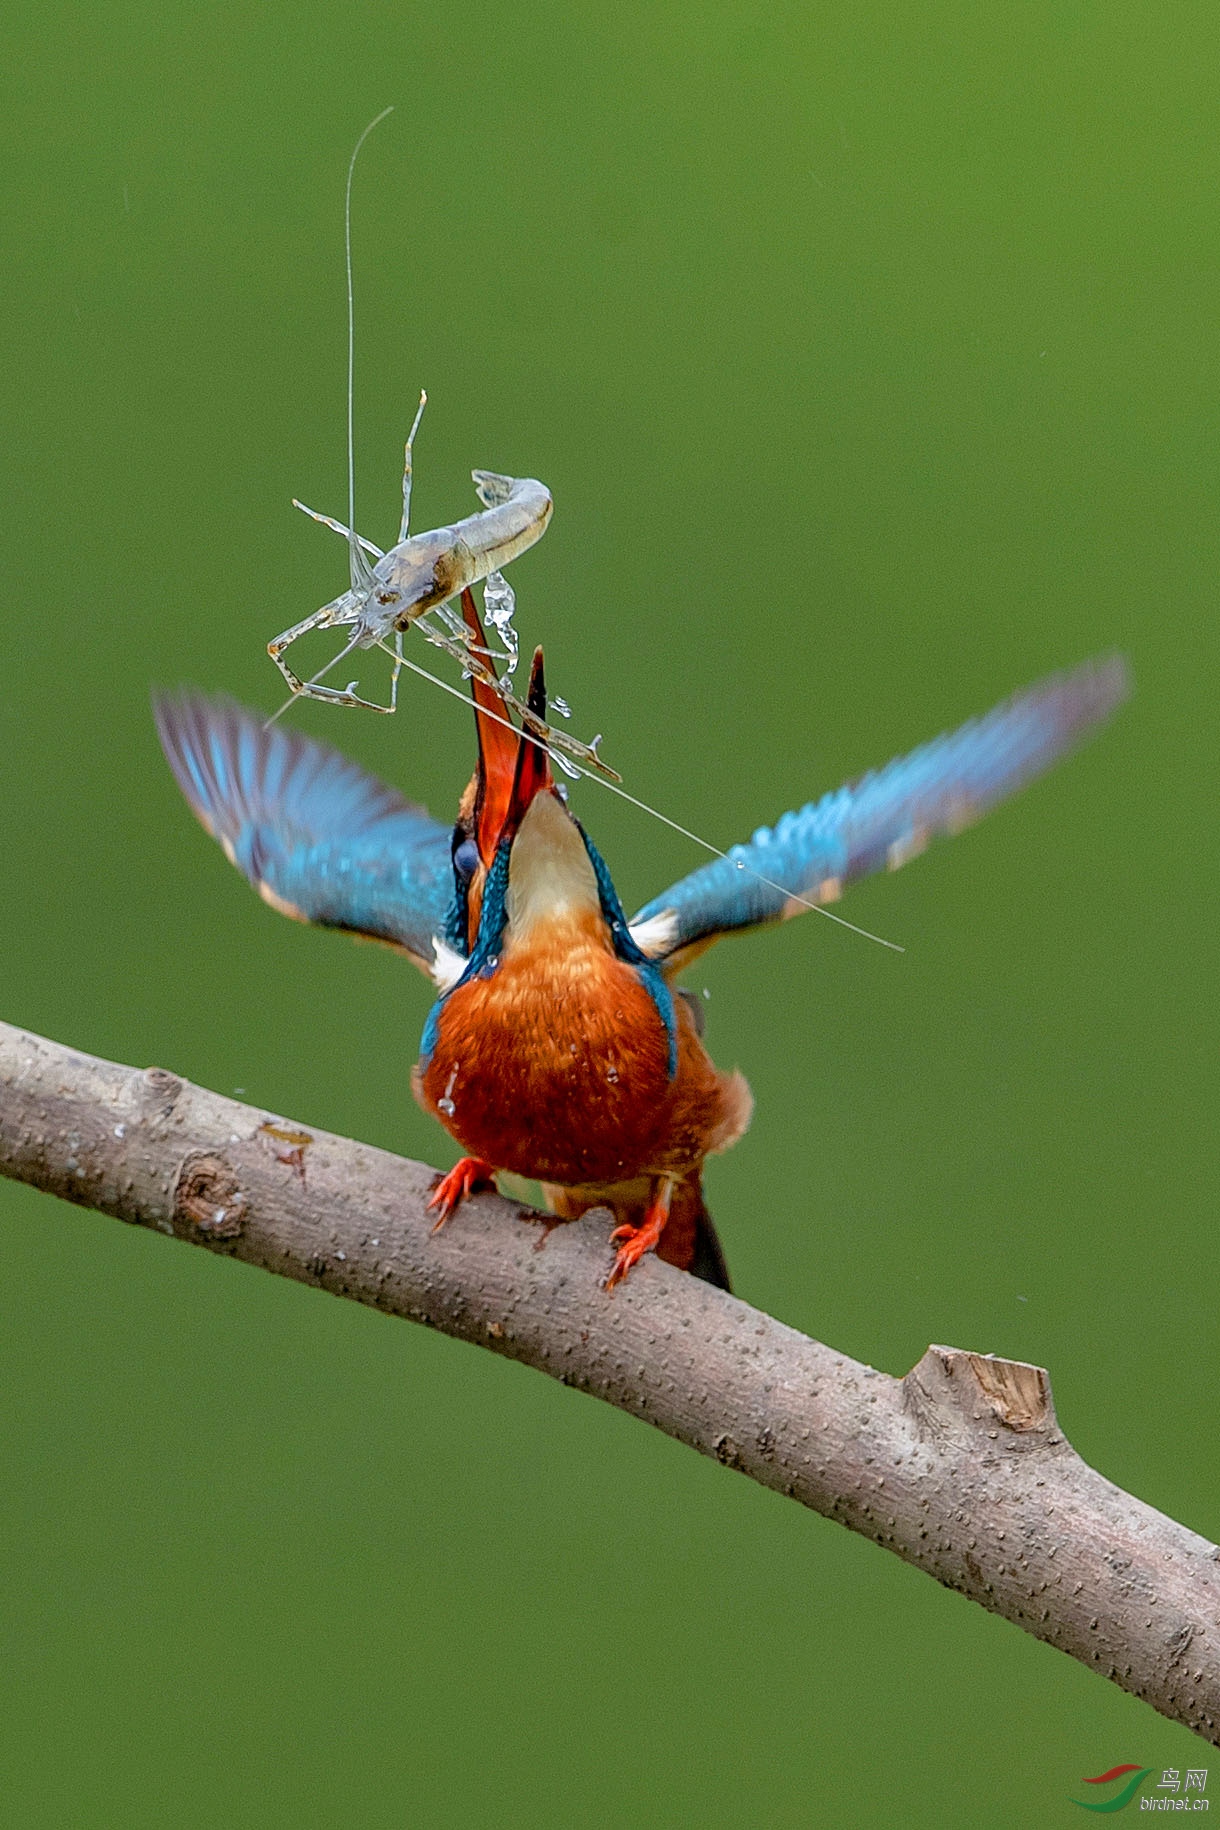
[[635, 1242], [465, 1178]]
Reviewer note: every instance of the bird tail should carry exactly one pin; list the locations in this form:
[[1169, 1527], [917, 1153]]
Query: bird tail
[[690, 1240]]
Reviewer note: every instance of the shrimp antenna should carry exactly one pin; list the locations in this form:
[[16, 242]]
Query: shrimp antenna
[[360, 572]]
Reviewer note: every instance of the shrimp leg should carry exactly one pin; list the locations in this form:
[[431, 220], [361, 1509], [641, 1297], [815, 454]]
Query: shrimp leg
[[405, 528]]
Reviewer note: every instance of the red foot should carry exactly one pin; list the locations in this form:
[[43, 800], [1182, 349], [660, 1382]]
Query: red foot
[[465, 1178], [636, 1240]]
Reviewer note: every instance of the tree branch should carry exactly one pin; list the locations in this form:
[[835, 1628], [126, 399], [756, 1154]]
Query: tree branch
[[959, 1468]]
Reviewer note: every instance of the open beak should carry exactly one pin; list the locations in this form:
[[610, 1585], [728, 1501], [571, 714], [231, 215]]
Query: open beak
[[513, 767]]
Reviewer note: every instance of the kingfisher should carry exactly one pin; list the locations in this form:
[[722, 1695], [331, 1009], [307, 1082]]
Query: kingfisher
[[560, 1047]]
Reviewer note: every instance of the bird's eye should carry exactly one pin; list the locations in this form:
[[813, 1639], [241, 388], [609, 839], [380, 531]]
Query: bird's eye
[[465, 860]]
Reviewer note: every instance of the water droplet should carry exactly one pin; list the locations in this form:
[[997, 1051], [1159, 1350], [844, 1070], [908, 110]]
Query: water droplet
[[499, 603], [564, 764], [612, 1076], [446, 1106], [561, 706]]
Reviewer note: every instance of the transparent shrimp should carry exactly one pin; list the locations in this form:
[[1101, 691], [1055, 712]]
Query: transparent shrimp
[[420, 573], [388, 592]]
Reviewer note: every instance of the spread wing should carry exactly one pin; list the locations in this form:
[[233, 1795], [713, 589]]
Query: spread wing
[[319, 839], [884, 818]]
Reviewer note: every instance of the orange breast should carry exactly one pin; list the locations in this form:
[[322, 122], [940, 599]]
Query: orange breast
[[556, 1068]]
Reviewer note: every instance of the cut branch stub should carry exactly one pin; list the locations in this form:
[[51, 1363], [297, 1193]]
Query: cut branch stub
[[959, 1395]]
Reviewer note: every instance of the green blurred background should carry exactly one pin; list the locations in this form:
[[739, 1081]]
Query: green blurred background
[[873, 357]]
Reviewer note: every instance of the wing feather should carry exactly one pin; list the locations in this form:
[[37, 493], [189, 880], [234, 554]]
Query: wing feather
[[886, 817], [319, 839]]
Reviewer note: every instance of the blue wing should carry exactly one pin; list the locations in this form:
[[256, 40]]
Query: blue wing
[[318, 838], [883, 819]]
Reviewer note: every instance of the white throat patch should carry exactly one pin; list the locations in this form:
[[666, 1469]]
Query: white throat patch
[[550, 874], [447, 965]]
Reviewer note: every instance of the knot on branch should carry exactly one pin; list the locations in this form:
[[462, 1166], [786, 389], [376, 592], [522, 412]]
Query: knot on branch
[[208, 1198], [158, 1092]]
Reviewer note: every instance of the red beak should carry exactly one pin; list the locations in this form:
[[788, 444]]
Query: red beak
[[512, 768]]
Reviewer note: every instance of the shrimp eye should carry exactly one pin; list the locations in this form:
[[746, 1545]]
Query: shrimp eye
[[387, 597], [465, 860]]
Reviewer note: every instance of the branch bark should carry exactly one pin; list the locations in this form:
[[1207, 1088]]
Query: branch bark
[[959, 1468]]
